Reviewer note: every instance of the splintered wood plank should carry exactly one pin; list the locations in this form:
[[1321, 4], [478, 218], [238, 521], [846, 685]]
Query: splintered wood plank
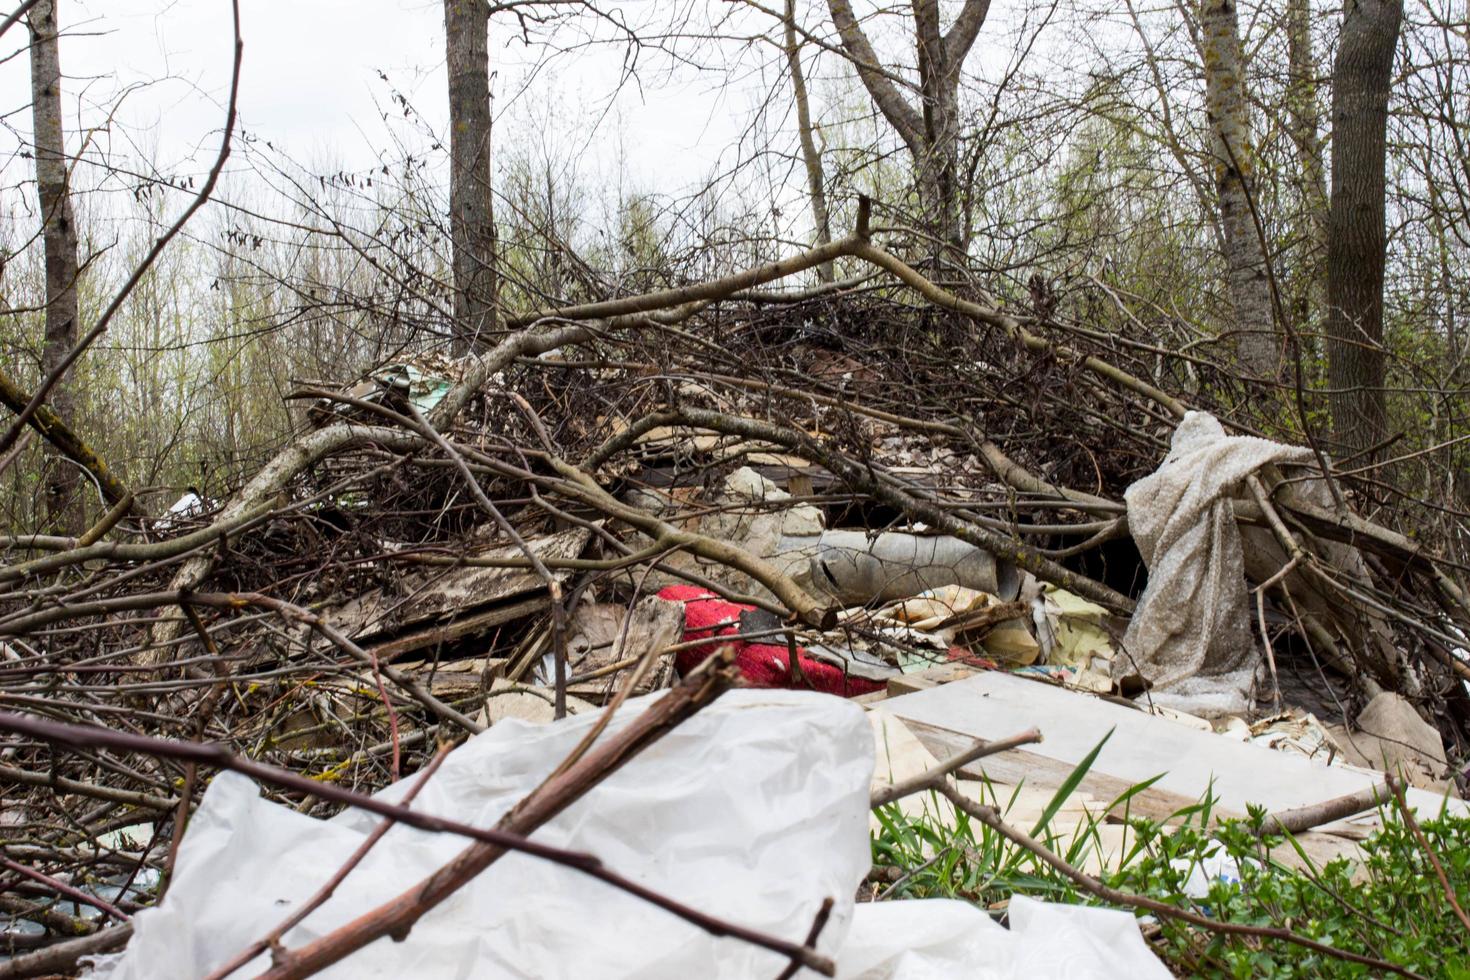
[[458, 629], [1190, 762], [440, 593]]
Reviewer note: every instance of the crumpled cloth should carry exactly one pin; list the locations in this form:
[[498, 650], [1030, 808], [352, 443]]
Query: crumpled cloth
[[1190, 634], [763, 661]]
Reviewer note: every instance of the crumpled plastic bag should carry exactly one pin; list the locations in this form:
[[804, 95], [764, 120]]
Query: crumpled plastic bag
[[1201, 874], [1190, 634], [754, 810]]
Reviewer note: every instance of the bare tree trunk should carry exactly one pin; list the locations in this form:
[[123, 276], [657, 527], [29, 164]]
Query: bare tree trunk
[[939, 169], [1356, 240], [815, 179], [1306, 137], [931, 132], [1234, 159], [59, 237], [471, 208]]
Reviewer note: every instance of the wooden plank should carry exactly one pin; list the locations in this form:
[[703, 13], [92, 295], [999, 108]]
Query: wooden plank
[[924, 679], [459, 628], [1189, 762], [443, 593]]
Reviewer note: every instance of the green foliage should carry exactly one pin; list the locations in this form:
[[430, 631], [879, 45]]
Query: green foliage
[[1389, 905]]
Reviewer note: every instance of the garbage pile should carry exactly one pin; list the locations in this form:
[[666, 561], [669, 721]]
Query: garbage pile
[[840, 494]]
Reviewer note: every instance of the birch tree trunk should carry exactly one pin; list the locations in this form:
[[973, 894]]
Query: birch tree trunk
[[815, 178], [471, 207], [1356, 241], [59, 241], [1234, 160]]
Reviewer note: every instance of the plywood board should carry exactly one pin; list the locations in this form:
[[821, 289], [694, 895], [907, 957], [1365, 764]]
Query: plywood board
[[1189, 762]]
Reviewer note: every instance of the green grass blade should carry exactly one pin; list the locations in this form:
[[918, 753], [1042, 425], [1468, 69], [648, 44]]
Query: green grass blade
[[1069, 786]]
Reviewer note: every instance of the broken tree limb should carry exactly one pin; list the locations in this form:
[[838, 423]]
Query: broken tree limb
[[1303, 819], [63, 957], [61, 436], [315, 446], [928, 780], [62, 784], [553, 584], [942, 297], [290, 611], [1019, 478], [243, 600], [721, 288], [797, 600]]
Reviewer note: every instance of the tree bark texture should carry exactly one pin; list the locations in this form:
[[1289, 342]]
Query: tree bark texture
[[1306, 136], [815, 178], [1356, 240], [471, 207], [1234, 160], [931, 131], [59, 241]]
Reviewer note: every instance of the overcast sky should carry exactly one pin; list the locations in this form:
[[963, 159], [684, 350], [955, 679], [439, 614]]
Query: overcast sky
[[311, 87], [310, 82]]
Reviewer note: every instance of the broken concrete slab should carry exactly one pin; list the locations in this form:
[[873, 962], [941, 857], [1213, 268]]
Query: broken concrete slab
[[453, 679], [749, 511], [526, 702]]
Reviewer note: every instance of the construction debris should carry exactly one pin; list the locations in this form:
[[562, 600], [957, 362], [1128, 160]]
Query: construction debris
[[1190, 764], [452, 546], [1389, 734]]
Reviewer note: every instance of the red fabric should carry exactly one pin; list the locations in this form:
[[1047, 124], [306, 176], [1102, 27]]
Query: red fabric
[[971, 659], [761, 664]]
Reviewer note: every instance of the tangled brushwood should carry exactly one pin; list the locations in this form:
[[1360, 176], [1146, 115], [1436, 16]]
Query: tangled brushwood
[[424, 552]]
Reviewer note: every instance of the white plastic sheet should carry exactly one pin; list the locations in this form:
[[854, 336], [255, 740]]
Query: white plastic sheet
[[754, 810], [941, 940]]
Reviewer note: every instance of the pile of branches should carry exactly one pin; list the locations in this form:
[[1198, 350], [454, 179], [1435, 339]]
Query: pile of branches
[[143, 656]]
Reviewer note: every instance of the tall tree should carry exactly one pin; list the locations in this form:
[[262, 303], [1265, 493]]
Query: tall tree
[[1234, 159], [815, 178], [59, 240], [1305, 127], [471, 208], [930, 131], [1356, 242]]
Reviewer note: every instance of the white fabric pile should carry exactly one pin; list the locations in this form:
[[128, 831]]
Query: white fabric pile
[[1190, 634]]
